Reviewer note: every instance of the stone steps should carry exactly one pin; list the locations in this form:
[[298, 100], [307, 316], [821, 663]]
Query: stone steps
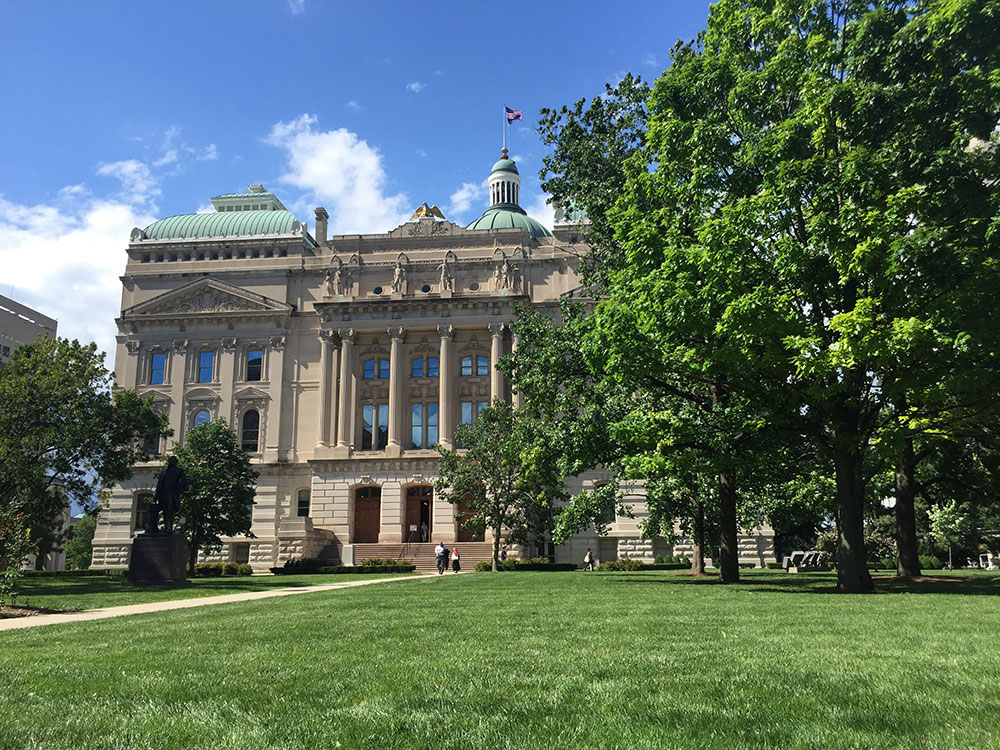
[[422, 554]]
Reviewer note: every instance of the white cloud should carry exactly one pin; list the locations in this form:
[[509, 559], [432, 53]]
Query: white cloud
[[83, 246], [297, 7], [421, 153], [649, 59], [168, 158], [209, 153], [138, 184], [341, 171], [463, 198], [416, 87], [353, 105], [541, 210]]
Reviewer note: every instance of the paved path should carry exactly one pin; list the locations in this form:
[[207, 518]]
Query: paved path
[[34, 621]]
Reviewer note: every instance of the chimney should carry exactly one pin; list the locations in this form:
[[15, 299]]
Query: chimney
[[322, 217]]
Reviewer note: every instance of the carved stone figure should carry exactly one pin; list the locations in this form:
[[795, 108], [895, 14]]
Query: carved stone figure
[[503, 275], [334, 281], [172, 483], [425, 210], [447, 276], [399, 278]]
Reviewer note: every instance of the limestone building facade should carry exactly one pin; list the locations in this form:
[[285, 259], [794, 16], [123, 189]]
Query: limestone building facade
[[20, 325], [340, 361]]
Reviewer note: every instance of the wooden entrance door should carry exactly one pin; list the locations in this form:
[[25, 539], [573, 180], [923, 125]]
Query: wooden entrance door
[[418, 513], [367, 512]]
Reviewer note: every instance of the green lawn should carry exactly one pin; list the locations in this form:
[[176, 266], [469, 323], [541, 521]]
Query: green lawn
[[94, 592], [522, 661]]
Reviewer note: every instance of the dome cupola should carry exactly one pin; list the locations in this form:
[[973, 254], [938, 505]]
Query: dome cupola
[[505, 211]]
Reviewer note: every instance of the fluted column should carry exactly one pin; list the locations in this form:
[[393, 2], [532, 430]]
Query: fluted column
[[496, 344], [178, 372], [325, 377], [345, 432], [446, 397], [515, 342], [397, 403], [227, 376]]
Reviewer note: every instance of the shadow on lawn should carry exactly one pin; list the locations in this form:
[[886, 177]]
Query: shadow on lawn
[[116, 586], [825, 583]]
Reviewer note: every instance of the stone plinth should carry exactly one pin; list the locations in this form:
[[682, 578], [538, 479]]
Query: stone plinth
[[158, 559]]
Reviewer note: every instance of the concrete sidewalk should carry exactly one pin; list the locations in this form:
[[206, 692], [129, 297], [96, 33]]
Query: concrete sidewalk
[[35, 621]]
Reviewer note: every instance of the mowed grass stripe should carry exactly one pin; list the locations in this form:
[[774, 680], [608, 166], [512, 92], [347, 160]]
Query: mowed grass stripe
[[526, 660]]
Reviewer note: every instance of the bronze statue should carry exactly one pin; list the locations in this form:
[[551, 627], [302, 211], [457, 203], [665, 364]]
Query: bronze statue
[[172, 483]]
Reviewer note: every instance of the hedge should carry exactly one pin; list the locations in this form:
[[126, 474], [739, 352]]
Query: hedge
[[312, 566], [107, 572], [219, 570], [511, 564]]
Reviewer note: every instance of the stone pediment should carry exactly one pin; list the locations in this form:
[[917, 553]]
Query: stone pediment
[[249, 394], [208, 296]]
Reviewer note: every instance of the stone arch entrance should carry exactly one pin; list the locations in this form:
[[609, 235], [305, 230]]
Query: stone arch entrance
[[367, 512], [419, 513]]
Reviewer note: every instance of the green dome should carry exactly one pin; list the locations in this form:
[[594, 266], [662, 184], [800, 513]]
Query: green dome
[[506, 218], [505, 165], [222, 224]]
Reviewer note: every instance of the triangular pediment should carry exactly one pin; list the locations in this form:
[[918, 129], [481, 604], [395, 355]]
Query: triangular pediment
[[207, 296], [249, 393]]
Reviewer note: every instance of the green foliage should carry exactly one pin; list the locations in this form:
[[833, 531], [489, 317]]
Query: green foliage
[[370, 562], [622, 563], [63, 434], [507, 475], [219, 501], [15, 544], [929, 562], [533, 564], [218, 570], [79, 545], [313, 566]]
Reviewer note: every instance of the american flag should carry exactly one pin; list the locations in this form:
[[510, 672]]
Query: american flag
[[513, 114]]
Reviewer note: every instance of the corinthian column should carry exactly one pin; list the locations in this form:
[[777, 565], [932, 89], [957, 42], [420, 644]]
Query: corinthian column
[[396, 401], [345, 409], [325, 377], [446, 396], [496, 378]]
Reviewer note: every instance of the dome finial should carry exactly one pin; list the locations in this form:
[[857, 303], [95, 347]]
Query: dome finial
[[503, 153]]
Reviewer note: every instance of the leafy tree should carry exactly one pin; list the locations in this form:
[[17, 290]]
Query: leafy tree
[[949, 523], [219, 500], [79, 547], [503, 474], [811, 220], [64, 432]]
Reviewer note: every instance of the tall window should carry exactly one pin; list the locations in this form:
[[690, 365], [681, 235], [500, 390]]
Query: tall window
[[471, 409], [374, 426], [255, 364], [206, 367], [201, 417], [376, 368], [424, 367], [157, 368], [423, 425], [478, 364], [303, 502], [250, 432]]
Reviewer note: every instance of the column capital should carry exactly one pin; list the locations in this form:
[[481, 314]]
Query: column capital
[[179, 345], [396, 333], [277, 343], [327, 335], [132, 345], [446, 331], [497, 328], [228, 344], [346, 335]]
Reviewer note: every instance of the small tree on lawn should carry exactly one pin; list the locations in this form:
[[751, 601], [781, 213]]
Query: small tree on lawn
[[79, 546], [504, 475], [948, 525], [219, 499]]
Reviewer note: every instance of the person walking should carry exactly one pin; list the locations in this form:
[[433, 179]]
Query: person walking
[[588, 560], [456, 565], [439, 557]]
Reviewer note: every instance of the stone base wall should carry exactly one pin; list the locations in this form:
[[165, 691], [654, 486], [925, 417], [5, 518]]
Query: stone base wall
[[111, 555]]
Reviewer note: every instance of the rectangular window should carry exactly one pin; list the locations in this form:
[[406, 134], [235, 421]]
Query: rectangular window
[[471, 409], [432, 425], [255, 364], [417, 425], [432, 367], [383, 369], [206, 367], [383, 426], [374, 426], [157, 368], [303, 501], [424, 425], [367, 414], [417, 371], [369, 369], [466, 365], [483, 365]]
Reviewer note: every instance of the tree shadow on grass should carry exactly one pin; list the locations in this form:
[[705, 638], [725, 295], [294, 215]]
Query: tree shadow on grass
[[826, 583]]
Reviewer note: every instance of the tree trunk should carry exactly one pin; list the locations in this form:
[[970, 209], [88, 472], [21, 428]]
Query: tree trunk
[[852, 563], [192, 556], [697, 534], [729, 554], [496, 547], [908, 564]]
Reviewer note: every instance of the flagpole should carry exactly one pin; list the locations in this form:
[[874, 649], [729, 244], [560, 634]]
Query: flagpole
[[503, 129]]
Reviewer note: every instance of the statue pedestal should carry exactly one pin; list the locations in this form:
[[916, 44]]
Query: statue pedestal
[[158, 559]]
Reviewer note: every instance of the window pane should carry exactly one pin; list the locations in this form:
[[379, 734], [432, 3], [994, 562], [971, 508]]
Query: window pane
[[303, 509], [255, 364], [483, 367], [432, 424], [466, 412], [432, 367], [466, 365], [206, 362], [383, 425], [369, 369], [202, 417], [416, 425], [251, 431], [158, 368], [366, 427], [480, 406], [383, 368], [417, 371]]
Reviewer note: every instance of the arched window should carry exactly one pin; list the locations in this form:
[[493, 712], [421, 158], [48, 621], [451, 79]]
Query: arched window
[[201, 418], [303, 502], [250, 432], [478, 364]]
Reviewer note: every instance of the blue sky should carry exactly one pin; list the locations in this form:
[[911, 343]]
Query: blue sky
[[117, 113]]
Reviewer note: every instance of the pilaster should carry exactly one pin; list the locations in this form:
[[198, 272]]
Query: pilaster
[[178, 370], [273, 448], [227, 366], [345, 431], [391, 510], [446, 386], [396, 402]]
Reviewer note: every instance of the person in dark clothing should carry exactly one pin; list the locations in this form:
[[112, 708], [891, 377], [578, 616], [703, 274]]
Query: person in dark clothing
[[172, 483]]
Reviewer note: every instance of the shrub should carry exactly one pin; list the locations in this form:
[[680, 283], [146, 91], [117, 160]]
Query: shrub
[[308, 565], [535, 563], [216, 570], [370, 561], [929, 562], [622, 563], [208, 570], [774, 566], [299, 565]]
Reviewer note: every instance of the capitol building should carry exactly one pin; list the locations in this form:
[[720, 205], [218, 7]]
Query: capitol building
[[341, 361]]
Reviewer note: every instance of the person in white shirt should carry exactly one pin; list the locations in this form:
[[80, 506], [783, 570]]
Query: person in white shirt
[[441, 557]]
